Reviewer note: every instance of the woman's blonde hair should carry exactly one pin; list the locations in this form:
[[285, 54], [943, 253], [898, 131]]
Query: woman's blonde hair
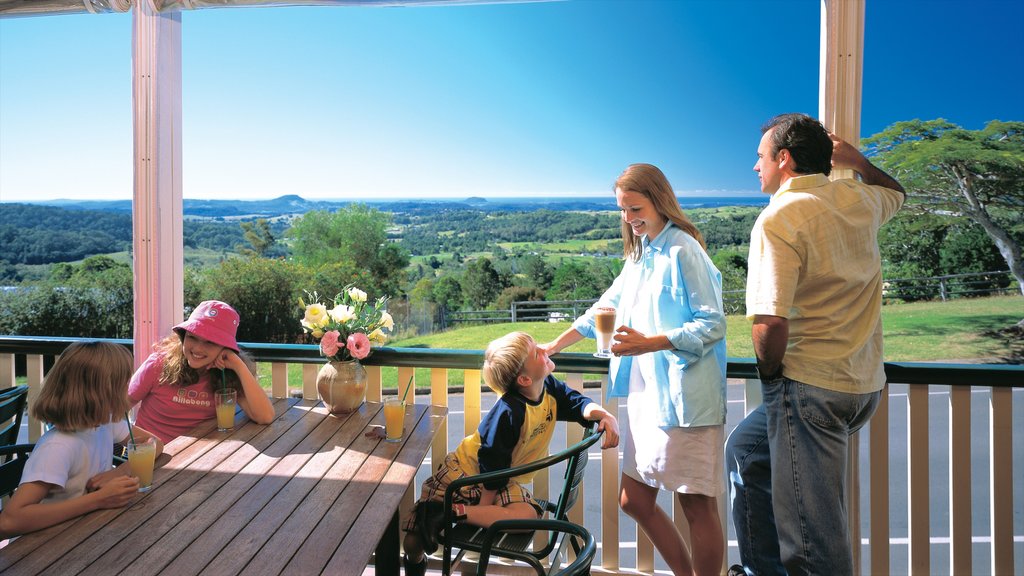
[[177, 372], [648, 180], [87, 387], [504, 360]]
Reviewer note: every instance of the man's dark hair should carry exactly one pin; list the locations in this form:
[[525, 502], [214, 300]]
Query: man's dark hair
[[805, 138]]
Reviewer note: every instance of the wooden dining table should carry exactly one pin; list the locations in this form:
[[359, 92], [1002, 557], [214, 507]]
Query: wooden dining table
[[309, 493]]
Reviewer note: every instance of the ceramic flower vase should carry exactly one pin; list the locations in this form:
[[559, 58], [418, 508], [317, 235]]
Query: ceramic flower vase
[[342, 386]]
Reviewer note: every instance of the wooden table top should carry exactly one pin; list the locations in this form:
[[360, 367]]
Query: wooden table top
[[309, 493]]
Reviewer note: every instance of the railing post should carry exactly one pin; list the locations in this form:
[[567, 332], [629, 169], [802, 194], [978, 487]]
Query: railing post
[[1001, 479], [960, 479], [917, 480], [7, 376], [34, 376]]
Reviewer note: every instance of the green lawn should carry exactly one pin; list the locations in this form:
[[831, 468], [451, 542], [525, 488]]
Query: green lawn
[[918, 332]]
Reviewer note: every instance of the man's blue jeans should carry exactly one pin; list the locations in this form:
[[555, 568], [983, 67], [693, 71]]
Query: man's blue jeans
[[787, 471]]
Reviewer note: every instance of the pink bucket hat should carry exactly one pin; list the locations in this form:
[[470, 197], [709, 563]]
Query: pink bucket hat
[[213, 321]]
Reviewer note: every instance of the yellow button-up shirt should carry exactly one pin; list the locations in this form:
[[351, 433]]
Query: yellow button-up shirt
[[814, 259]]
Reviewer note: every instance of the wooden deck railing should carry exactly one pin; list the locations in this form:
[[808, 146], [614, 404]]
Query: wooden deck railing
[[992, 384]]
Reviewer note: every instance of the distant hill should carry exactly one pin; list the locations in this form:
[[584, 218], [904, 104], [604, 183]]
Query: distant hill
[[292, 204]]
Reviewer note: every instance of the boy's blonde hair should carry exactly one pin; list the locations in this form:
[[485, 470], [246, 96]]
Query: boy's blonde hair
[[87, 387], [504, 361]]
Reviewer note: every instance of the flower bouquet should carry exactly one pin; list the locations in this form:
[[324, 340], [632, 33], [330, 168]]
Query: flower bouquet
[[348, 329], [346, 332]]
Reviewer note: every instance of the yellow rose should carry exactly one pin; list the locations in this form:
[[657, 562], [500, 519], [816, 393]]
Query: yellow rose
[[316, 315], [318, 333], [357, 295], [377, 336]]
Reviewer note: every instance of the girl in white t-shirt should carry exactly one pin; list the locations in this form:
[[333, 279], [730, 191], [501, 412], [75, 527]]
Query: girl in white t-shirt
[[70, 471]]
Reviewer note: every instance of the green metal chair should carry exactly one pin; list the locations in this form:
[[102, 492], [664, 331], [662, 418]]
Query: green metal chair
[[586, 548], [12, 409], [517, 546], [12, 463]]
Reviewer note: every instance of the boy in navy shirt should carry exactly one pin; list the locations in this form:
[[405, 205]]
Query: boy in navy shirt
[[516, 431]]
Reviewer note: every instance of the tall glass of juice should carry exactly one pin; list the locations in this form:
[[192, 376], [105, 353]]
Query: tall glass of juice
[[141, 459], [225, 402], [394, 418]]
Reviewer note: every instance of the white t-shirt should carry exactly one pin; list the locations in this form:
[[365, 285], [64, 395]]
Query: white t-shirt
[[69, 459]]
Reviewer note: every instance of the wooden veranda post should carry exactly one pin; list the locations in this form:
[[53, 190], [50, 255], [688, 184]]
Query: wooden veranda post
[[157, 242], [839, 98]]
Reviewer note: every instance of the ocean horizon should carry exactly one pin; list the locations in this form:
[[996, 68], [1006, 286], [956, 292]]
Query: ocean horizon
[[297, 204]]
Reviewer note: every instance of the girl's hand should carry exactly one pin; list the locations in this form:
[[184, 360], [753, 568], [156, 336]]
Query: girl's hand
[[117, 492], [99, 480], [227, 359]]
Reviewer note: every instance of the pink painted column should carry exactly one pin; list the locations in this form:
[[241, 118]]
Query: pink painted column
[[158, 252]]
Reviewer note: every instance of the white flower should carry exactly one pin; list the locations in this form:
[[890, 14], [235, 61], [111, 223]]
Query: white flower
[[356, 295], [342, 313], [387, 321], [316, 316]]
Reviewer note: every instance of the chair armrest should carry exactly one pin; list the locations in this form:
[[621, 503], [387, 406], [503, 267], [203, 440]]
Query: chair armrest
[[583, 558]]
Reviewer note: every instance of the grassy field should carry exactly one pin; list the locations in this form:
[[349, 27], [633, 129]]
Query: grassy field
[[958, 330]]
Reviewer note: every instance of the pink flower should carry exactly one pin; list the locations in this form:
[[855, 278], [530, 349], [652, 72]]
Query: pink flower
[[359, 345], [329, 344]]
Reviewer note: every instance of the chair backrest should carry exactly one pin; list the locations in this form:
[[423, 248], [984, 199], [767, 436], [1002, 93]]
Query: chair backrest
[[12, 407], [12, 463], [575, 467]]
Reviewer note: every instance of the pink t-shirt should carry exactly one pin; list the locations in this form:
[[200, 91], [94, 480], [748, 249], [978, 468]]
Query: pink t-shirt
[[169, 410]]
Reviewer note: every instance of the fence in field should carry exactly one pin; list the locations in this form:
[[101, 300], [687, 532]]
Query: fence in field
[[899, 289]]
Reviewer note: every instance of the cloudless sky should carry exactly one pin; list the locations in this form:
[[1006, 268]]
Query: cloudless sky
[[532, 99]]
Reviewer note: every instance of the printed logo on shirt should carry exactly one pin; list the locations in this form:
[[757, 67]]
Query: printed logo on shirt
[[192, 397], [543, 426]]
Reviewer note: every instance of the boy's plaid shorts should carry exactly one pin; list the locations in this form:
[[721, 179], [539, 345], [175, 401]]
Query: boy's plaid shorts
[[448, 471]]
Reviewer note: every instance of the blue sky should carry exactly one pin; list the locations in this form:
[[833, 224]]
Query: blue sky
[[551, 99]]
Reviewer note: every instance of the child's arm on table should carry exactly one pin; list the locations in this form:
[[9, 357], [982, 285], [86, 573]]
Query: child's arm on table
[[25, 511]]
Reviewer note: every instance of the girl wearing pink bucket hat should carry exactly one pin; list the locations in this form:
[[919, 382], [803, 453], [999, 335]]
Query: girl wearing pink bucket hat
[[176, 384]]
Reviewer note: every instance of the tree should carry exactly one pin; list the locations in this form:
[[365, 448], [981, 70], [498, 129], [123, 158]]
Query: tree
[[574, 281], [517, 294], [733, 266], [352, 239], [448, 292], [259, 236], [975, 173], [480, 284], [537, 272], [264, 291]]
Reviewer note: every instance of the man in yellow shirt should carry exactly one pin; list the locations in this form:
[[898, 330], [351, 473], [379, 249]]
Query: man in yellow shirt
[[814, 291]]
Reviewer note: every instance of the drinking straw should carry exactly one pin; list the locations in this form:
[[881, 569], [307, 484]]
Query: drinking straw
[[129, 421], [406, 393], [223, 381]]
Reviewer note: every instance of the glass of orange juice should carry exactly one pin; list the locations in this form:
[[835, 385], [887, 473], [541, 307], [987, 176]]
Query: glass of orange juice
[[394, 418], [141, 459], [225, 402]]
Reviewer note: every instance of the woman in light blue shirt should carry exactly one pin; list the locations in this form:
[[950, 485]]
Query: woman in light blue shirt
[[669, 362]]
